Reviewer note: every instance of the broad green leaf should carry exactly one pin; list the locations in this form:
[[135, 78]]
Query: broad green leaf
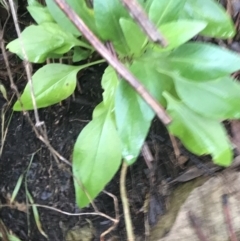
[[146, 5], [96, 156], [134, 36], [217, 99], [199, 134], [179, 32], [42, 40], [107, 16], [80, 54], [109, 84], [163, 11], [80, 8], [34, 3], [219, 22], [40, 14], [199, 61], [133, 115], [52, 83]]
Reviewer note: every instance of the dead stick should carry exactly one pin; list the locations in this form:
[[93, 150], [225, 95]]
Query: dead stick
[[137, 12], [118, 66], [197, 227], [226, 211]]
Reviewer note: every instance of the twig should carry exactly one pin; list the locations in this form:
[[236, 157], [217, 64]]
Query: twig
[[3, 231], [26, 62], [118, 66], [64, 212], [175, 146], [197, 227], [126, 210], [4, 132], [143, 21], [114, 220], [228, 221], [115, 200], [147, 156]]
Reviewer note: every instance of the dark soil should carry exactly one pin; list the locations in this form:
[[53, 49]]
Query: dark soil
[[50, 183]]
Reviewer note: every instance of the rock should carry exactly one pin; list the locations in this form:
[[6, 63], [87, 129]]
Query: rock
[[205, 202]]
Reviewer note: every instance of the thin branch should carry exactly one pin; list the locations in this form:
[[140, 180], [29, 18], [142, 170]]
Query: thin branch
[[117, 218], [197, 227], [26, 62], [3, 231], [64, 212], [227, 216], [138, 13], [118, 66], [148, 157]]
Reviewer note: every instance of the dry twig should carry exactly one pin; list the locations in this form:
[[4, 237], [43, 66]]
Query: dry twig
[[143, 21]]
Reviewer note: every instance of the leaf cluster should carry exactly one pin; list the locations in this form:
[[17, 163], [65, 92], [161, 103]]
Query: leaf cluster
[[192, 80]]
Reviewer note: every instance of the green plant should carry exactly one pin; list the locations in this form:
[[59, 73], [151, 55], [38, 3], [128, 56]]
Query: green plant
[[190, 79]]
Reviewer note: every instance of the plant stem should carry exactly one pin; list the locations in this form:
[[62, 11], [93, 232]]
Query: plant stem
[[126, 211]]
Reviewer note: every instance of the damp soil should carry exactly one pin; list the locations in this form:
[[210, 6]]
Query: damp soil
[[50, 183]]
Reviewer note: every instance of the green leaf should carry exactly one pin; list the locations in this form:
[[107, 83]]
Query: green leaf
[[40, 14], [3, 91], [179, 32], [109, 84], [134, 36], [13, 237], [52, 83], [96, 155], [42, 40], [219, 22], [80, 54], [36, 214], [16, 189], [107, 16], [33, 3], [80, 8], [199, 61], [199, 134], [164, 11], [146, 5], [133, 115], [217, 99]]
